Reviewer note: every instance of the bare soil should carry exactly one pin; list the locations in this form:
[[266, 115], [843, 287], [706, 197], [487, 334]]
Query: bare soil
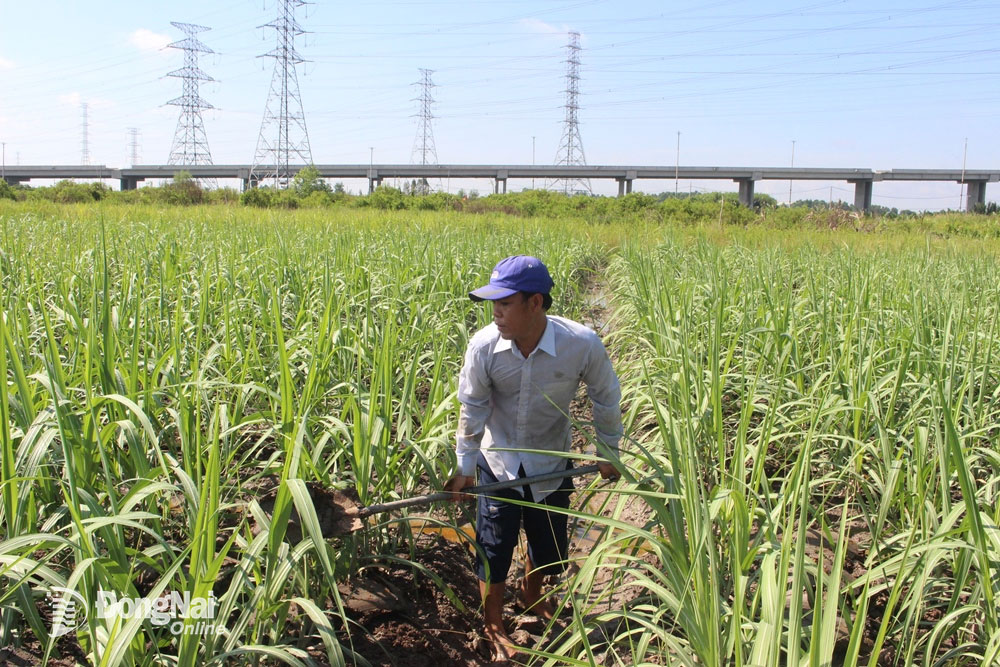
[[404, 619], [67, 652]]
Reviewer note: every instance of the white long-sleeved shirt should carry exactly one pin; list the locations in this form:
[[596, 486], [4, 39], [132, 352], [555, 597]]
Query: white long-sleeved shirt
[[511, 405]]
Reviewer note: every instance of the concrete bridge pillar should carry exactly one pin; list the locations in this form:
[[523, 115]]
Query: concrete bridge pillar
[[499, 185], [746, 191], [863, 194], [374, 180], [625, 184], [975, 194], [127, 183], [244, 176]]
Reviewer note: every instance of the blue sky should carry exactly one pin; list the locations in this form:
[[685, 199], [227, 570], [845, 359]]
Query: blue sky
[[877, 85]]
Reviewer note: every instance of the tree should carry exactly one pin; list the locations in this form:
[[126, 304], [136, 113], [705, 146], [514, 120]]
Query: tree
[[762, 201], [183, 189], [308, 181]]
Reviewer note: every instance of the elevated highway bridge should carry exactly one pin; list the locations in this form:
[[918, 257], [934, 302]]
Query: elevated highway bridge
[[863, 179]]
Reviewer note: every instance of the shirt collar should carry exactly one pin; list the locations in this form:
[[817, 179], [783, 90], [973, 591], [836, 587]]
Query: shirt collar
[[503, 344], [546, 344]]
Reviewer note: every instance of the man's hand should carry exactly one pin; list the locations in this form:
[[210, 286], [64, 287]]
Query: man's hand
[[607, 470], [456, 484]]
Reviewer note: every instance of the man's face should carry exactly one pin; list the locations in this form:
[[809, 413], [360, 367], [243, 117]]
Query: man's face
[[515, 316]]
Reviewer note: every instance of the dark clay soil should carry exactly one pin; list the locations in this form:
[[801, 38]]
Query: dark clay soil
[[405, 619], [31, 654]]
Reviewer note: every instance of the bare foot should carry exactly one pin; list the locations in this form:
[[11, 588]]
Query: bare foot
[[537, 604], [504, 647]]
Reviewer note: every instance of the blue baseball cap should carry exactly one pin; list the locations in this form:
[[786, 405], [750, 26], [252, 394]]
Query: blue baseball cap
[[519, 273]]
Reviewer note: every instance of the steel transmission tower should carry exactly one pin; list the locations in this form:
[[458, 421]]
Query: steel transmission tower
[[570, 151], [85, 143], [424, 151], [190, 143], [283, 138], [133, 146]]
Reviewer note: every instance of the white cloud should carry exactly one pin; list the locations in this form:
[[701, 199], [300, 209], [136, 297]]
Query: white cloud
[[543, 28], [6, 64], [147, 40]]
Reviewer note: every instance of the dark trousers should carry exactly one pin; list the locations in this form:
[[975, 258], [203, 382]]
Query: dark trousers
[[498, 526]]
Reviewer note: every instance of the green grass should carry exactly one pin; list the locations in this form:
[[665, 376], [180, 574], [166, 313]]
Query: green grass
[[781, 387]]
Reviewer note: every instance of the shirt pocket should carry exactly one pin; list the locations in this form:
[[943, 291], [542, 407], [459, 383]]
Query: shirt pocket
[[506, 379], [560, 392]]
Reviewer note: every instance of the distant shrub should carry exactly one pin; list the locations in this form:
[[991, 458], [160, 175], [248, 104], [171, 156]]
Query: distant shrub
[[435, 201], [635, 201], [259, 197], [183, 190], [285, 199], [385, 198], [786, 217], [222, 196], [6, 192], [265, 197], [317, 199], [70, 192]]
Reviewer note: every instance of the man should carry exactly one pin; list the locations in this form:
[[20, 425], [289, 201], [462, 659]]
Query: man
[[519, 376]]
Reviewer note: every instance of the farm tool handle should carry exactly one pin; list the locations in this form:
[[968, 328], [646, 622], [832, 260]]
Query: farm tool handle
[[475, 490]]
